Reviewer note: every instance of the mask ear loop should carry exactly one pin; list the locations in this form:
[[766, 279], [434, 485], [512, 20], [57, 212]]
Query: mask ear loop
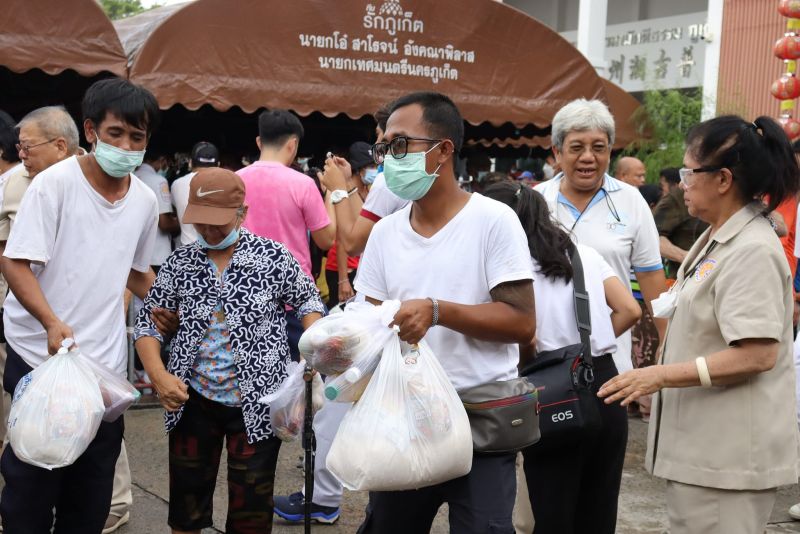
[[435, 172]]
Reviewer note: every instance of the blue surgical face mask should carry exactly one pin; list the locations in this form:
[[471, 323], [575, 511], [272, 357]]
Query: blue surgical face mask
[[369, 176], [407, 177], [229, 240], [115, 161], [162, 172]]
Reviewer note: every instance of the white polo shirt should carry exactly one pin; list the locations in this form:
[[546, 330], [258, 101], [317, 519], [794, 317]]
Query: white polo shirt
[[618, 224]]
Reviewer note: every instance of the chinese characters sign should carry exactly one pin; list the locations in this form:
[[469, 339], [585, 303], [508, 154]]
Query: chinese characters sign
[[664, 53]]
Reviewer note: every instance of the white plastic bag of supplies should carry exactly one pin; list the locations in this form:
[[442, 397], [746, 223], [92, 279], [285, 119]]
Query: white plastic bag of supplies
[[409, 429], [347, 347], [287, 404], [118, 394], [56, 411]]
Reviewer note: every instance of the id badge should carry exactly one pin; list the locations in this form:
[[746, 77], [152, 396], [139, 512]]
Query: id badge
[[664, 306]]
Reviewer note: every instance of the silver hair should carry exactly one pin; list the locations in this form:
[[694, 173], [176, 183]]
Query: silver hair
[[579, 116], [54, 122]]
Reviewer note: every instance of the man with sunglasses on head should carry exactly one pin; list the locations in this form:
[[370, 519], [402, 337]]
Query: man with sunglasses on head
[[84, 232], [460, 265]]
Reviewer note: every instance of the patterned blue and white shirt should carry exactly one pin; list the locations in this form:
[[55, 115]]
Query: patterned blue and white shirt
[[260, 281]]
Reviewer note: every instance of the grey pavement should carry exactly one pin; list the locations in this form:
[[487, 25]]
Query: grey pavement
[[641, 507]]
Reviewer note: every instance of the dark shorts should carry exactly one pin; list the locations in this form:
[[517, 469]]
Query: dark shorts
[[195, 446], [479, 503]]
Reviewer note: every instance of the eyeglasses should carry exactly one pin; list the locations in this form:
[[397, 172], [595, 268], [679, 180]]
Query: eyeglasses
[[397, 147], [686, 173], [27, 148]]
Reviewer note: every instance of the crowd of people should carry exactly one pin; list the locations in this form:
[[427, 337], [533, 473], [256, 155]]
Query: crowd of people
[[690, 286]]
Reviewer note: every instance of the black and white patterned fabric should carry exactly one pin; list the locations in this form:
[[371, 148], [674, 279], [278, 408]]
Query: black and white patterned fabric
[[260, 281]]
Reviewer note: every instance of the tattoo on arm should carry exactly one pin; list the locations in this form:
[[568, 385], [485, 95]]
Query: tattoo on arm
[[517, 294]]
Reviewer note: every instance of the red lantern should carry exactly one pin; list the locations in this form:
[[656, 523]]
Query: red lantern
[[787, 87], [789, 8], [791, 126], [787, 47]]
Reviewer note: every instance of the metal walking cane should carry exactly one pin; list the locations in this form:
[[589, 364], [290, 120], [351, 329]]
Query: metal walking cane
[[308, 447]]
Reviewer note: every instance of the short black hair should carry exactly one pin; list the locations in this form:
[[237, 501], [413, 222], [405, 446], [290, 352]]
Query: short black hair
[[671, 175], [758, 154], [8, 138], [130, 102], [651, 194], [381, 116], [276, 126], [439, 113]]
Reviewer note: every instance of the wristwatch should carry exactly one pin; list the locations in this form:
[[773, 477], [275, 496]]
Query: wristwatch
[[338, 195]]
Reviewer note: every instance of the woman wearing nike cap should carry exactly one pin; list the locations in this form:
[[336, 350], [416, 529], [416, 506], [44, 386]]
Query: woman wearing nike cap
[[230, 289]]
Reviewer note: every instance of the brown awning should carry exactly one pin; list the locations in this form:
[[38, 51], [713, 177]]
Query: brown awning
[[58, 35], [497, 63], [622, 105]]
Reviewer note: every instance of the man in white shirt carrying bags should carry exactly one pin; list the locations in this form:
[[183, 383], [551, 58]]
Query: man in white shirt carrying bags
[[85, 231], [460, 265]]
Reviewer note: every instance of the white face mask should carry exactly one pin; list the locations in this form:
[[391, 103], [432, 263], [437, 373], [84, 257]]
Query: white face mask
[[115, 161]]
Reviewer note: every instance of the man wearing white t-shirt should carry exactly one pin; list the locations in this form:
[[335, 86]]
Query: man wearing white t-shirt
[[204, 154], [85, 231], [460, 265]]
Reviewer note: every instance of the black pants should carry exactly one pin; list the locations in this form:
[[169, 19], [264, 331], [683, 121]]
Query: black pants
[[480, 502], [195, 446], [80, 493], [332, 278], [574, 489]]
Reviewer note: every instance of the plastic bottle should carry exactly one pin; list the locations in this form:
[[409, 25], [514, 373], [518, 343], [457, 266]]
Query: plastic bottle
[[351, 376]]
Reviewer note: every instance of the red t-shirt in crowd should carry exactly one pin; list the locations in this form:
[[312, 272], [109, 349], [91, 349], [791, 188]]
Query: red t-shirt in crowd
[[331, 265]]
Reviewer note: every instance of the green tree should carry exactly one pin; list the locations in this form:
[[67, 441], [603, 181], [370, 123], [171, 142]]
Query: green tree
[[663, 122], [119, 9]]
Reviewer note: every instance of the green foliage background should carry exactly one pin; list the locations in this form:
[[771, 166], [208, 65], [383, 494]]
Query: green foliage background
[[663, 122], [119, 9]]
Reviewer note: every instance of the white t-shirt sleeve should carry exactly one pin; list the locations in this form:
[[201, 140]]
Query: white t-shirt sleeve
[[646, 253], [380, 201], [33, 235], [593, 260], [146, 243], [508, 257], [371, 276]]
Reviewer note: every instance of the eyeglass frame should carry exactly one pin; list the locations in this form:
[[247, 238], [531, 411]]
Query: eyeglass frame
[[27, 149], [377, 159], [685, 172]]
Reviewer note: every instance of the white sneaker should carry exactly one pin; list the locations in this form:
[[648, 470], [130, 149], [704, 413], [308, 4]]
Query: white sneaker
[[794, 512]]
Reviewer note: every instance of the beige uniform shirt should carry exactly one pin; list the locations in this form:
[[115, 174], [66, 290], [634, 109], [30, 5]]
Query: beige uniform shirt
[[735, 286], [13, 192]]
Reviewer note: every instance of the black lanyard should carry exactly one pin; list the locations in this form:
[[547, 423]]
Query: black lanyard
[[611, 208]]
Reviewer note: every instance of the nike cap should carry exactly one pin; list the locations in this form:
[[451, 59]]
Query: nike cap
[[215, 197]]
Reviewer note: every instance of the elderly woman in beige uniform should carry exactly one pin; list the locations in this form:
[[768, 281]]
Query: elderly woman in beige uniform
[[723, 431]]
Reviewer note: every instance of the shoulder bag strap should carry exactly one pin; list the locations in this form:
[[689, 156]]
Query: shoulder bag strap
[[582, 316]]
